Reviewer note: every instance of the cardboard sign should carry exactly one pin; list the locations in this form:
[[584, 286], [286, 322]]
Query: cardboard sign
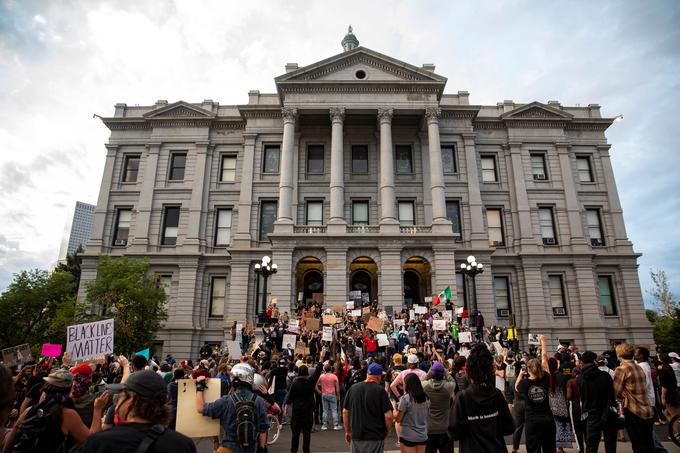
[[497, 346], [327, 334], [375, 324], [356, 295], [349, 305], [234, 348], [317, 297], [465, 337], [51, 350], [419, 309], [399, 323], [300, 348], [189, 422], [294, 325], [338, 308], [448, 316], [356, 313], [439, 324], [366, 310], [329, 320], [382, 339], [92, 339], [289, 340], [534, 338], [312, 324]]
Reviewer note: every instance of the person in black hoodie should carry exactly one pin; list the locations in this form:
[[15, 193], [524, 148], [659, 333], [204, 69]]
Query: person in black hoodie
[[480, 415], [596, 389], [301, 397]]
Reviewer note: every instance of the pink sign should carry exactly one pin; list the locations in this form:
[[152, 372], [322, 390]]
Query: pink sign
[[51, 350]]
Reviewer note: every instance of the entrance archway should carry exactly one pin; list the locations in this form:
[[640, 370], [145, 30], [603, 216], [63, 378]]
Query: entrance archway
[[364, 277], [416, 280], [309, 280]]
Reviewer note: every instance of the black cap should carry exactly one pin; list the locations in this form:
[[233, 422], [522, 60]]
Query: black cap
[[588, 357], [145, 383]]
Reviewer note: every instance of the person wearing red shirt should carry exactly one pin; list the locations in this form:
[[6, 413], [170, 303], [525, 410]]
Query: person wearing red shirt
[[371, 345]]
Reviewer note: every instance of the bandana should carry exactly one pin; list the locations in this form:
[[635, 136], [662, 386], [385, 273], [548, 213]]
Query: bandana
[[81, 384]]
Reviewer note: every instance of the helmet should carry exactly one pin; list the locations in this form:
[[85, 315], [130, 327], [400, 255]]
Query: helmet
[[258, 380], [242, 373]]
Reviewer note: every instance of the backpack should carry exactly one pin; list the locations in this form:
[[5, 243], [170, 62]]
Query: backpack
[[35, 433], [354, 378], [246, 421]]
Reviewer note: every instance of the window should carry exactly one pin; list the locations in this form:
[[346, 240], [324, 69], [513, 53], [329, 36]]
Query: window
[[594, 227], [360, 213], [122, 230], [170, 225], [604, 284], [453, 214], [223, 227], [495, 227], [178, 163], [460, 289], [557, 295], [585, 172], [404, 159], [501, 294], [314, 213], [406, 213], [538, 169], [449, 159], [228, 172], [489, 173], [271, 159], [547, 223], [267, 218], [131, 169], [165, 282], [218, 293], [315, 159], [360, 159]]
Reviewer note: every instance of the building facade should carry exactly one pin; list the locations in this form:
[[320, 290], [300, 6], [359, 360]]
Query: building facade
[[79, 230], [359, 173]]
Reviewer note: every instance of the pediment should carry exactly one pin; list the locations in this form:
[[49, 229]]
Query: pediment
[[537, 110], [179, 110]]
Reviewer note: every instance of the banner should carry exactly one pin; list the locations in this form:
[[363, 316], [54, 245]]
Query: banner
[[189, 422], [382, 339], [439, 324], [51, 350], [294, 325], [534, 338], [465, 337], [234, 348], [327, 334], [289, 340], [92, 339]]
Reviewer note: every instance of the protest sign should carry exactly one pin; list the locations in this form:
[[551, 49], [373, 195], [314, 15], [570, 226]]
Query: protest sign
[[448, 316], [312, 324], [439, 324], [92, 339], [144, 353], [534, 338], [428, 300], [189, 422], [365, 298], [382, 339], [497, 346], [366, 310], [327, 334], [329, 320], [419, 309], [356, 313], [51, 350], [349, 305], [500, 383], [375, 324], [234, 348], [389, 310], [411, 314], [294, 325], [300, 296], [382, 315], [289, 340], [366, 317], [399, 323], [239, 332], [355, 295], [17, 355], [459, 310], [300, 348], [339, 308], [317, 297], [465, 337]]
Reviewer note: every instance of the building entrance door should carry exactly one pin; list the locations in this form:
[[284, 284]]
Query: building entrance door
[[416, 281], [364, 278]]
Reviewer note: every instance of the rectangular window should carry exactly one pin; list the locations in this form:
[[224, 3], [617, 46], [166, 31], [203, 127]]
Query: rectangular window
[[315, 159], [449, 159], [228, 171], [360, 213], [453, 214], [122, 230], [170, 225], [489, 173], [585, 171], [267, 218], [131, 169], [360, 159], [594, 226], [223, 227], [178, 163], [272, 154], [460, 290], [165, 282], [557, 295], [406, 213], [218, 294], [538, 169], [547, 222], [604, 284], [501, 293], [314, 213], [404, 159], [495, 226]]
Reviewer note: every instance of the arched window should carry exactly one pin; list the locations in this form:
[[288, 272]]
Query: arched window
[[411, 288]]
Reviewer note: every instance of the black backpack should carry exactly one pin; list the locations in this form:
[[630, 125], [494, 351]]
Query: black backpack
[[246, 421], [35, 433]]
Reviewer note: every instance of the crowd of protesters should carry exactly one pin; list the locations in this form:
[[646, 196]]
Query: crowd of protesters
[[433, 389]]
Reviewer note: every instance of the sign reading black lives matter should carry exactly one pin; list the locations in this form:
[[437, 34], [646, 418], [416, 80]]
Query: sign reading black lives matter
[[92, 339]]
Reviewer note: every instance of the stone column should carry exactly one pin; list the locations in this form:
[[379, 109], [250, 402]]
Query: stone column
[[193, 242], [388, 210], [478, 235], [439, 220], [239, 303], [620, 237], [337, 222], [95, 244], [285, 220], [577, 238], [282, 281], [335, 284], [245, 201], [144, 206], [527, 242]]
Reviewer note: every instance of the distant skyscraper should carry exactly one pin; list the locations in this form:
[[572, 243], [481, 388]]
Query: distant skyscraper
[[81, 228]]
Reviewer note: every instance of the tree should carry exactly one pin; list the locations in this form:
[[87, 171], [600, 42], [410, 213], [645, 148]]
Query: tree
[[667, 332], [72, 265], [125, 290], [662, 295]]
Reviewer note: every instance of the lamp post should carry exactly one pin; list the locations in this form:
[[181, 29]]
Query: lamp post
[[265, 269], [471, 269]]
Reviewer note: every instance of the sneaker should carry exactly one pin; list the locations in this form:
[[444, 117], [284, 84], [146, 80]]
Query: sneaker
[[324, 428], [337, 428]]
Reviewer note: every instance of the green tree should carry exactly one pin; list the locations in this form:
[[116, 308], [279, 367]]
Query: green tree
[[125, 290], [663, 297], [667, 332], [72, 265]]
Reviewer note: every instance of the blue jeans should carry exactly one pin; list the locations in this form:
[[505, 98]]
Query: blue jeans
[[330, 406]]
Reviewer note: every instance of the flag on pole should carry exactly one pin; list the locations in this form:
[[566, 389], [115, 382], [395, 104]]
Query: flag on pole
[[444, 296], [447, 293]]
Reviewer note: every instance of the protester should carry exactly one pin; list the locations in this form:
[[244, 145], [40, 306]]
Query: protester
[[302, 401], [574, 402], [668, 387], [441, 394], [412, 368], [329, 387], [518, 408], [564, 435], [7, 397], [83, 400], [675, 365], [411, 415]]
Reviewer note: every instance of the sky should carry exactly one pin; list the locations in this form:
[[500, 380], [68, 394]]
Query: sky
[[61, 62]]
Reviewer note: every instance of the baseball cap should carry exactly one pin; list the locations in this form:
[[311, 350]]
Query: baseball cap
[[145, 383], [60, 378], [412, 359], [375, 369], [674, 355], [437, 369], [83, 368]]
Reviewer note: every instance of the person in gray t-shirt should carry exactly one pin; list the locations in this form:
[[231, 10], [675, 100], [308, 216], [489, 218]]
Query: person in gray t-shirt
[[412, 414]]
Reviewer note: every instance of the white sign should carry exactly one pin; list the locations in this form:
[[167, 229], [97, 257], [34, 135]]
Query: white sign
[[448, 316], [439, 324], [399, 323], [294, 325], [382, 339], [355, 294], [411, 314], [465, 337], [327, 334], [500, 383], [428, 299], [459, 310], [234, 348], [420, 309], [239, 332], [289, 340], [92, 339], [300, 295], [356, 313], [534, 338], [349, 304]]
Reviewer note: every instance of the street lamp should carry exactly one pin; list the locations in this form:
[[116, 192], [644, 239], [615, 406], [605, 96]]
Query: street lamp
[[471, 268], [265, 269]]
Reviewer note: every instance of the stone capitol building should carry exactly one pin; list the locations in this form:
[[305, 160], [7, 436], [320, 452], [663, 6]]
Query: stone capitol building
[[360, 173]]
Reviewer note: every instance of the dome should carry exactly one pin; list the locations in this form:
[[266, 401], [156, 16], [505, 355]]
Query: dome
[[350, 41]]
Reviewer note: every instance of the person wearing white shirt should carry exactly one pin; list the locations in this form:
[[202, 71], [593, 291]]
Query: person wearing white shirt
[[675, 364], [642, 359]]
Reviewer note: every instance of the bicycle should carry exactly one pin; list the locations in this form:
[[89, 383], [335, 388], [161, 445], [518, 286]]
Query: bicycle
[[274, 429], [674, 430]]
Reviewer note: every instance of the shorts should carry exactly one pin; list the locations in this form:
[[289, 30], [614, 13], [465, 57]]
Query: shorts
[[408, 443]]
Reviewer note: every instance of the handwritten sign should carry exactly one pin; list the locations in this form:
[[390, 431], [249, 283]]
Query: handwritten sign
[[411, 314], [355, 295], [51, 350], [356, 313], [399, 323], [327, 334], [439, 324], [289, 340], [448, 316], [421, 310], [534, 338], [366, 310], [312, 324], [375, 324], [329, 320], [349, 305], [92, 339], [294, 325], [339, 308], [234, 348], [382, 339], [189, 422], [300, 348], [365, 298], [428, 300], [465, 337]]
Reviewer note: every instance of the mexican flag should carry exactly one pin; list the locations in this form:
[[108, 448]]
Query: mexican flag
[[444, 296]]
